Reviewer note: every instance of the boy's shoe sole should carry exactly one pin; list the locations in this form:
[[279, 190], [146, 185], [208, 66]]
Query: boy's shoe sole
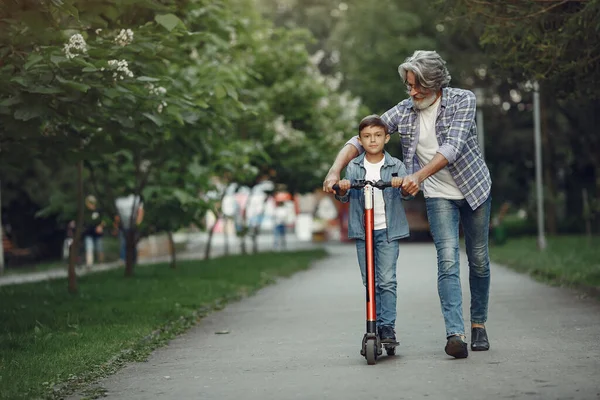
[[456, 347]]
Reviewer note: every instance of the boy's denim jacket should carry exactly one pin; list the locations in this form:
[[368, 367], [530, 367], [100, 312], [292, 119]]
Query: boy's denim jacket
[[395, 217]]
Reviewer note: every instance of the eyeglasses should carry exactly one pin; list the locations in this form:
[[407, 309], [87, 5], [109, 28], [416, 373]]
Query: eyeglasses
[[417, 86]]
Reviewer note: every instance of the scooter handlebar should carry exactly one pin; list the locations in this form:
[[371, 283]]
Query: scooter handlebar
[[361, 184]]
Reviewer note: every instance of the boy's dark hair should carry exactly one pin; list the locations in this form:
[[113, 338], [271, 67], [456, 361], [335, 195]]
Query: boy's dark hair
[[372, 120]]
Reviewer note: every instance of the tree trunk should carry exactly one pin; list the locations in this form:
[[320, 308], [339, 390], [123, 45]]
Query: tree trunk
[[256, 229], [226, 236], [595, 204], [211, 233], [243, 245], [74, 252], [1, 247], [130, 253], [245, 229], [255, 241], [172, 250], [587, 215], [549, 173]]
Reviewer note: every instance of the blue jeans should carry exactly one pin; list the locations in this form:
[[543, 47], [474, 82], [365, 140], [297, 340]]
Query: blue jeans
[[386, 255], [123, 246], [279, 236], [93, 244], [444, 218]]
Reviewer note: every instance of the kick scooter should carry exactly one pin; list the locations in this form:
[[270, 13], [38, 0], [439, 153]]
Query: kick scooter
[[371, 346]]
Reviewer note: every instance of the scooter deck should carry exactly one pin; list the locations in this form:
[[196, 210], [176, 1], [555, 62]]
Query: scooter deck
[[390, 344]]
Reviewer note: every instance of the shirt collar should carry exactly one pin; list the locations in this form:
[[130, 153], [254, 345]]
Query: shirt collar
[[386, 156]]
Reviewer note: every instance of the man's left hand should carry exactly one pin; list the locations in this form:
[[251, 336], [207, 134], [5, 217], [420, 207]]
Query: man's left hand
[[411, 184]]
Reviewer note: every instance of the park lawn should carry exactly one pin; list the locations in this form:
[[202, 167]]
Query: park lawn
[[567, 260], [111, 253], [52, 342]]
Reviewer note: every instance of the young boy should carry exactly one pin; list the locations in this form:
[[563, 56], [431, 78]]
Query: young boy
[[390, 222], [280, 217]]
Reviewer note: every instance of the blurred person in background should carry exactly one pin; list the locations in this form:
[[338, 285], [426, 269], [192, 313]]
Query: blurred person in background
[[127, 207], [93, 232], [280, 217]]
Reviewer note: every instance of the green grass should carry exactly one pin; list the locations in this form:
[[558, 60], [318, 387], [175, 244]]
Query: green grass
[[567, 260], [111, 253], [52, 342]]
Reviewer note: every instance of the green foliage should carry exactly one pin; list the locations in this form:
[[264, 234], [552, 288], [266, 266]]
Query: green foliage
[[539, 40], [553, 43], [146, 92], [373, 41]]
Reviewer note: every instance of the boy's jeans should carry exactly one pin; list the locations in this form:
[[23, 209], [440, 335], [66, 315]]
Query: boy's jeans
[[444, 217], [386, 255]]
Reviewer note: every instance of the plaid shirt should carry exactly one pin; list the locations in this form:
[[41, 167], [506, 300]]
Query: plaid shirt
[[456, 133]]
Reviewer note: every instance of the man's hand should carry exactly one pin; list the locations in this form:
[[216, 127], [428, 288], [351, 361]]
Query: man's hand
[[397, 182], [411, 184], [330, 180], [344, 185]]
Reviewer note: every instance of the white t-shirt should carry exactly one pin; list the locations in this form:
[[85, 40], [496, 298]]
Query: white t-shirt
[[374, 174], [125, 205], [441, 184], [280, 215]]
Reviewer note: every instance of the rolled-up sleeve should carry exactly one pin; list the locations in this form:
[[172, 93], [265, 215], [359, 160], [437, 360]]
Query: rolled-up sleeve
[[460, 126], [390, 118], [354, 142]]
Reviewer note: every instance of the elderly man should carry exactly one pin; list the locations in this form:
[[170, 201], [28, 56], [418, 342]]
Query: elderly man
[[439, 143]]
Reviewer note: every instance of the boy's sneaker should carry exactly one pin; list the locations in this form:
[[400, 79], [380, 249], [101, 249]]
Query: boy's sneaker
[[457, 347], [387, 334]]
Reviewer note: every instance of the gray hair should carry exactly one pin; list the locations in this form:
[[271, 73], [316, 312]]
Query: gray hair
[[429, 69]]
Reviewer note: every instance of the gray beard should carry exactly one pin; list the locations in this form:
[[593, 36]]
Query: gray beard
[[426, 102]]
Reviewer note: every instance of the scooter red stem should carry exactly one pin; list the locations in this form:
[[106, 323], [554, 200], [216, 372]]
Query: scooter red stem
[[371, 344]]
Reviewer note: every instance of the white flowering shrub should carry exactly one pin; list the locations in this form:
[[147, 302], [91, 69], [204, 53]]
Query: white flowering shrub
[[124, 37], [156, 90], [75, 46], [161, 106], [121, 69], [284, 133]]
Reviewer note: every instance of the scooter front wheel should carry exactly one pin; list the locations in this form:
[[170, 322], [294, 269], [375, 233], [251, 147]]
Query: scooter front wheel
[[371, 351]]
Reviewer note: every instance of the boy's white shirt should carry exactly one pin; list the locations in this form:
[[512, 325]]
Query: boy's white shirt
[[280, 215], [374, 174], [441, 184]]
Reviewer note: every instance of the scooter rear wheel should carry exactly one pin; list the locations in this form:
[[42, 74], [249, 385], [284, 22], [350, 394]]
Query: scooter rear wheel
[[371, 351], [390, 351]]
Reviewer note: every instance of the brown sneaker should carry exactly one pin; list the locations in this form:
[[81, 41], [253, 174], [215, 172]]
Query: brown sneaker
[[456, 347]]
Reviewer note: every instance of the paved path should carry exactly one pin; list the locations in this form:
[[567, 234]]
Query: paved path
[[300, 338]]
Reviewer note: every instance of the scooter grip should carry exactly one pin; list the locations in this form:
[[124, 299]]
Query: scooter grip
[[336, 187]]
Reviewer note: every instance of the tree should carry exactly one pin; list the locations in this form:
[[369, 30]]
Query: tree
[[542, 40]]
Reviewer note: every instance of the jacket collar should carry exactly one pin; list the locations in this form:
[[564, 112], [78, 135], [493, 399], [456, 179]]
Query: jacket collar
[[387, 157]]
